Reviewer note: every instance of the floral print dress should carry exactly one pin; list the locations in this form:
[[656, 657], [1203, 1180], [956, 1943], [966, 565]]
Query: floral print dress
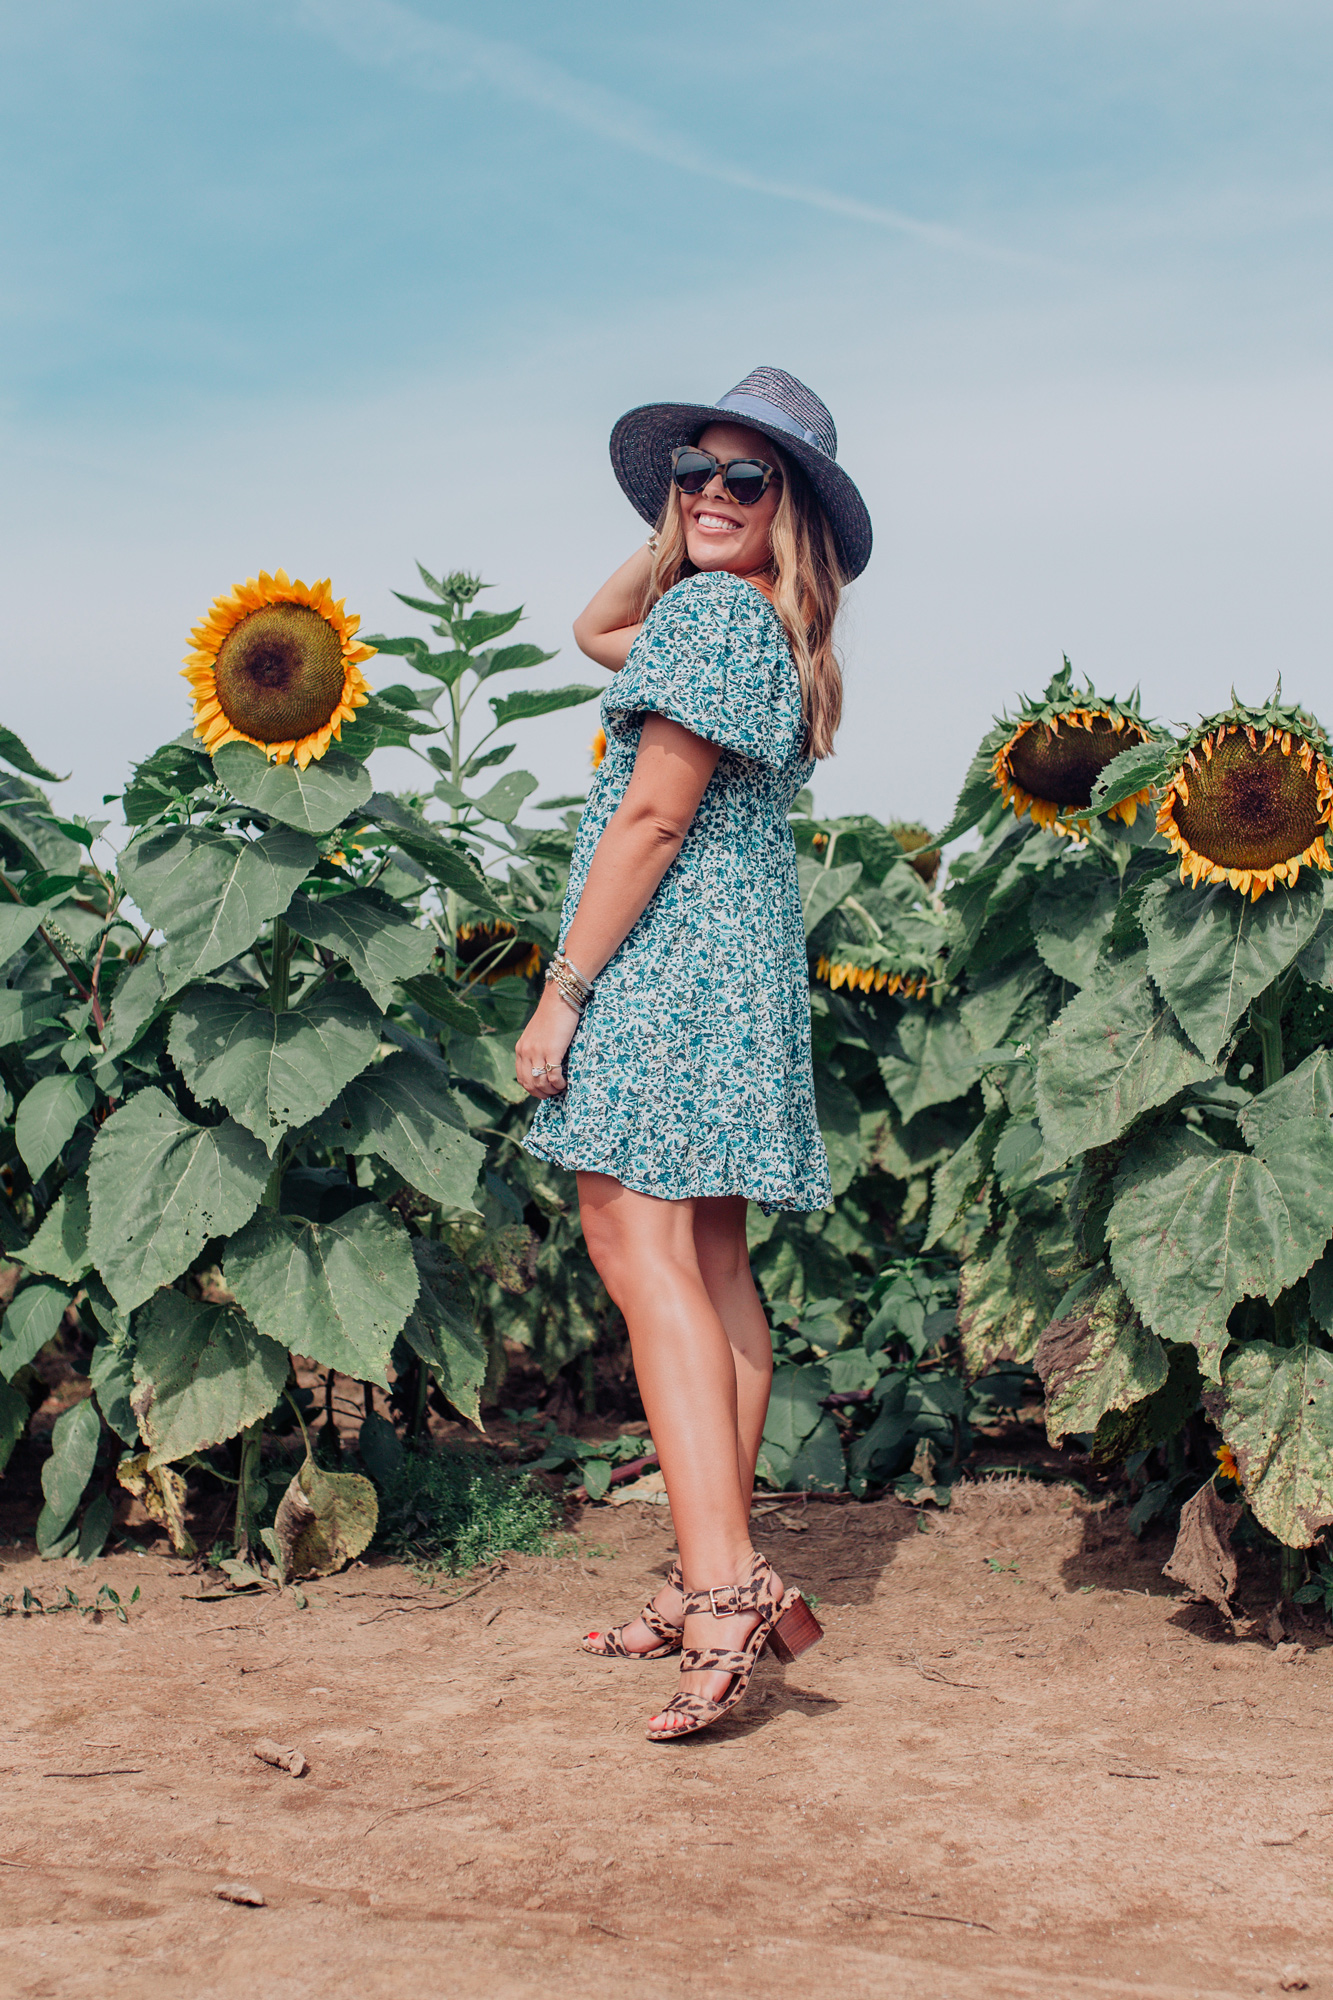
[[690, 1072]]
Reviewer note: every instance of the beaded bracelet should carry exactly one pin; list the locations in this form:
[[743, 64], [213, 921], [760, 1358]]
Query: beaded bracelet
[[569, 982]]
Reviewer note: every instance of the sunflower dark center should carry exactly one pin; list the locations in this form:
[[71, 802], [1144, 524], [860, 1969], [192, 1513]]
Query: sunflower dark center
[[1062, 765], [280, 673], [1249, 808]]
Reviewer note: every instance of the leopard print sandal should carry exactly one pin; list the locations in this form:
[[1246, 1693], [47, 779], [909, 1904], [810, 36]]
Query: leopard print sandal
[[611, 1645], [787, 1626]]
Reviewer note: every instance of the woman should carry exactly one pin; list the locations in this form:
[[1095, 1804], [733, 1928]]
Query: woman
[[685, 1090]]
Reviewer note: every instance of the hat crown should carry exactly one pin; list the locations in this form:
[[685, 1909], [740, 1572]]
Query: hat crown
[[789, 403]]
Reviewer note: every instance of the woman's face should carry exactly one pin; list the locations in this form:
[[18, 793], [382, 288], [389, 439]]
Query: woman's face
[[718, 533]]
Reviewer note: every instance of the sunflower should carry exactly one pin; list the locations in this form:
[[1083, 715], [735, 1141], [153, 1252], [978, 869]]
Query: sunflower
[[872, 978], [1048, 761], [1226, 1464], [276, 664], [476, 944], [1251, 800], [918, 845], [597, 749]]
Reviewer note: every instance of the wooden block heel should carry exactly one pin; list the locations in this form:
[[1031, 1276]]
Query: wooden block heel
[[796, 1631]]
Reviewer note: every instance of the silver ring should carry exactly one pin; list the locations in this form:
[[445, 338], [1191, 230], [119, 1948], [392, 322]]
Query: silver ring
[[540, 1069]]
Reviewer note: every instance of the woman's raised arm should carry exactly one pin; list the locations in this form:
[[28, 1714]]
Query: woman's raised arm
[[607, 629]]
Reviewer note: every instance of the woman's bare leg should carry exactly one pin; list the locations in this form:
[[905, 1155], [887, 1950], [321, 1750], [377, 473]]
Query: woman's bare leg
[[724, 1264], [646, 1253]]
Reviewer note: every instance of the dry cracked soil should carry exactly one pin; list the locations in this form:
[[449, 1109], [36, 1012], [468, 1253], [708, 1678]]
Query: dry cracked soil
[[1018, 1765]]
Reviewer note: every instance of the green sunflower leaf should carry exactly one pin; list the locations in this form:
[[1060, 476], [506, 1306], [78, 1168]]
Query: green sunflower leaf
[[1194, 1229], [504, 801], [159, 1187], [74, 1438], [15, 752], [1115, 1052], [822, 889], [1315, 963], [1211, 951], [60, 1247], [403, 1111], [312, 801], [336, 1291], [48, 1118], [934, 1062], [32, 1317], [438, 998], [369, 931], [1278, 1420], [178, 767], [1009, 1288], [442, 1328], [483, 626], [138, 999], [1133, 771], [18, 922], [801, 1448], [1096, 1356], [13, 1420], [22, 1013], [1071, 920], [112, 1375], [382, 725], [539, 701], [512, 659], [839, 1112], [201, 1374], [211, 892], [273, 1071]]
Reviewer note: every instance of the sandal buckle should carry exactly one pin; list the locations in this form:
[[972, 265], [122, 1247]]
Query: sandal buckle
[[713, 1595]]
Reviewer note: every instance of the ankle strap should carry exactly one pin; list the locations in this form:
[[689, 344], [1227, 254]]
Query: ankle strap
[[725, 1600]]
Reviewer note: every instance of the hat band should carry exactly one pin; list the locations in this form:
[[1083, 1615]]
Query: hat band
[[755, 406]]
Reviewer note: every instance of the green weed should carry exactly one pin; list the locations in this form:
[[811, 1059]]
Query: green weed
[[450, 1510]]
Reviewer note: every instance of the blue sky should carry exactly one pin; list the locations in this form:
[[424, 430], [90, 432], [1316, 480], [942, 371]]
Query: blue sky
[[340, 283]]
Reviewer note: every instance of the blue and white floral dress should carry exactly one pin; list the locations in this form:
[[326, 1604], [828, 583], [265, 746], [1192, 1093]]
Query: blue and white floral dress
[[690, 1072]]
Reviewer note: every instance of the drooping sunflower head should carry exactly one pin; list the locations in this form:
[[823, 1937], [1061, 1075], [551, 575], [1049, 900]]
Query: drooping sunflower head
[[1051, 757], [482, 945], [844, 970], [1251, 800], [597, 749], [919, 846], [1226, 1464], [276, 664]]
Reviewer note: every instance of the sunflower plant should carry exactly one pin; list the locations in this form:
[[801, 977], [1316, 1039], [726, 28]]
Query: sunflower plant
[[1145, 1207], [245, 1098]]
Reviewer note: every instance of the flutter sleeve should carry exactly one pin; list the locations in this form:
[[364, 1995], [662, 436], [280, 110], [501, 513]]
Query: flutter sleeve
[[713, 657]]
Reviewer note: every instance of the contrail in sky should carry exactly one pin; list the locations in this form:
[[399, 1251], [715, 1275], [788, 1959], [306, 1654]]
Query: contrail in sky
[[436, 55]]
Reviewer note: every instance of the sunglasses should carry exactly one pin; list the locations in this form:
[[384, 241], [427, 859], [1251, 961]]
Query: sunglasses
[[744, 480]]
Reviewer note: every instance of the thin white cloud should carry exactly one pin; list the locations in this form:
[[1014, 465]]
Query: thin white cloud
[[439, 56]]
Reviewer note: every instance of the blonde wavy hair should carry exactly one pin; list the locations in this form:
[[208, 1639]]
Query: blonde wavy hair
[[807, 589]]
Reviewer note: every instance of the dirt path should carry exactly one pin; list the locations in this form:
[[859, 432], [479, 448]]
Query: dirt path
[[1017, 1766]]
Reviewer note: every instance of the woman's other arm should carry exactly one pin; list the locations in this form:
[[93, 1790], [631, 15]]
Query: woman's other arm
[[641, 840], [607, 629]]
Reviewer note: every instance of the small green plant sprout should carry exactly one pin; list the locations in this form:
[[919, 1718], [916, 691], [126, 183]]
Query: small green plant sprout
[[1319, 1589], [29, 1605]]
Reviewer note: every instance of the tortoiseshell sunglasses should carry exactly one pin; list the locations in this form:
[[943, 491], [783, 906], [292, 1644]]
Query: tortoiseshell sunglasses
[[744, 480]]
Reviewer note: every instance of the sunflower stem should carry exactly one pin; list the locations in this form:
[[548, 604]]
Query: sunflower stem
[[1266, 1018], [1291, 1571], [251, 1440]]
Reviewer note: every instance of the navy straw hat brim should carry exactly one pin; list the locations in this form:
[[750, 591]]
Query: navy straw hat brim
[[641, 446]]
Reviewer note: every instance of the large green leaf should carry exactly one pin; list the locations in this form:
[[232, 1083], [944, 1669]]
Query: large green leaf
[[1071, 920], [32, 1317], [22, 1013], [370, 931], [324, 1519], [442, 1327], [1278, 1420], [1211, 951], [403, 1111], [210, 892], [74, 1437], [1305, 1092], [1134, 770], [937, 1061], [313, 801], [511, 659], [439, 999], [179, 767], [159, 1187], [1194, 1229], [60, 1247], [15, 752], [1115, 1052], [17, 924], [273, 1071], [112, 1375], [839, 1114], [997, 998], [801, 1444], [1009, 1287], [202, 1374], [539, 701], [1316, 960], [139, 997], [1097, 1356], [489, 1061], [959, 1181], [822, 889], [336, 1291], [48, 1117]]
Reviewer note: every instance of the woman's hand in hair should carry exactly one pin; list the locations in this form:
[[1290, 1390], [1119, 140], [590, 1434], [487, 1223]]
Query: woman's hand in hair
[[607, 629]]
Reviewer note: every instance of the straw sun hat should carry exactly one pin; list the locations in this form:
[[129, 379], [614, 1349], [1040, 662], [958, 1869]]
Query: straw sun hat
[[768, 400]]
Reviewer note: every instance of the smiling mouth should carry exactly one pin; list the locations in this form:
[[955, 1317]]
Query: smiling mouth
[[716, 524]]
